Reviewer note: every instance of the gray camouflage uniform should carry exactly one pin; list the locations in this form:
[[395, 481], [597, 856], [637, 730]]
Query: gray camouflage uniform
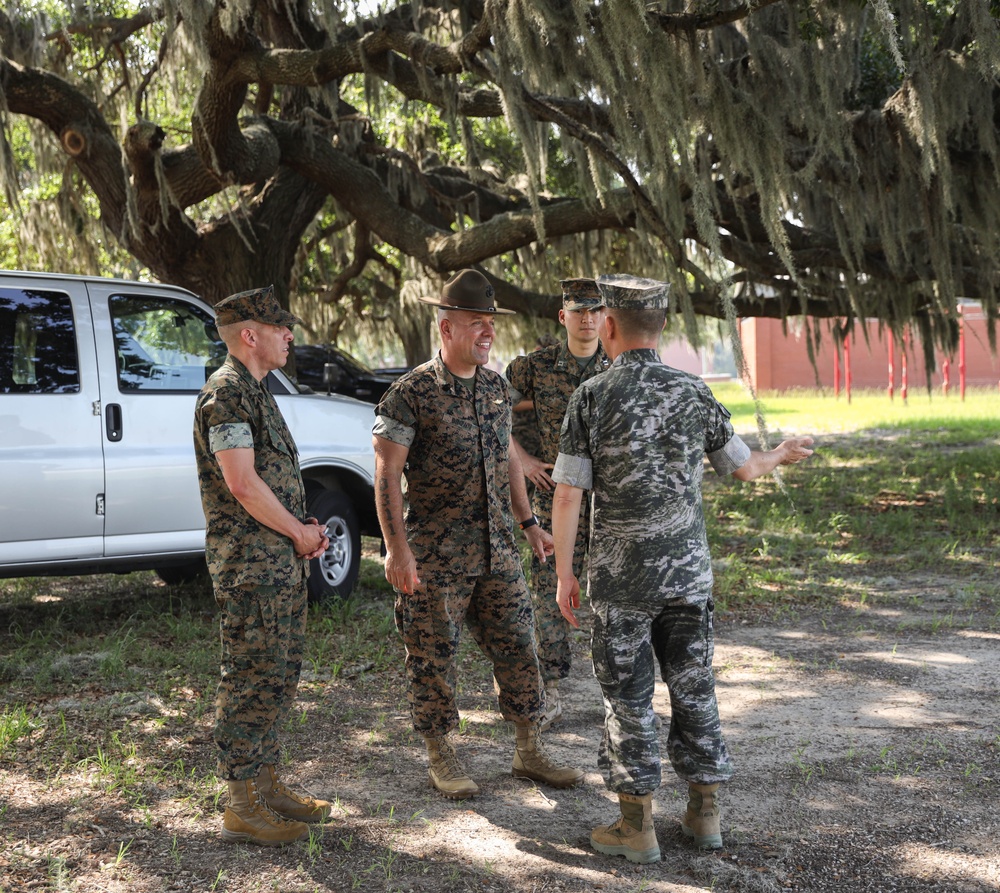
[[459, 525], [259, 582], [548, 377], [636, 437]]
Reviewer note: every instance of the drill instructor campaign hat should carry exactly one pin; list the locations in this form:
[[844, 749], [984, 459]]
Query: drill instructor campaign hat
[[624, 292], [581, 294], [257, 304], [467, 290]]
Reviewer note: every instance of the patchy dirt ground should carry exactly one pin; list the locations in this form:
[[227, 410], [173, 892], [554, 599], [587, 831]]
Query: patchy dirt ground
[[867, 742]]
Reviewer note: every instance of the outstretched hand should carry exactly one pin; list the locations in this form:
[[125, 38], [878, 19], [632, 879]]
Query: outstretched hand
[[794, 450]]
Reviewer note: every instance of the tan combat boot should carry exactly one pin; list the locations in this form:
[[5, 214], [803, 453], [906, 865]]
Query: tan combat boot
[[249, 819], [632, 836], [288, 801], [446, 772], [553, 705], [701, 820], [531, 760]]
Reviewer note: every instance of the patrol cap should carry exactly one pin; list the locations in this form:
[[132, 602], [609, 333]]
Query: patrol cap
[[467, 290], [624, 292], [257, 304], [581, 294]]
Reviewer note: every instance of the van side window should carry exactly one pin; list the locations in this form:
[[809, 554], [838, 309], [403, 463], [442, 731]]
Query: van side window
[[163, 344], [37, 343]]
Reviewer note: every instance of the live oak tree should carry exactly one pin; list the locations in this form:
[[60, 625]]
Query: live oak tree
[[834, 159]]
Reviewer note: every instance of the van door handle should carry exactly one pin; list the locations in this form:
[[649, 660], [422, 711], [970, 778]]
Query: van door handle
[[113, 422]]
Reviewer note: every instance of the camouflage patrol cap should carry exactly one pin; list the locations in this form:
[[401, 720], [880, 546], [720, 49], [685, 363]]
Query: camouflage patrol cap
[[581, 294], [624, 292], [467, 290], [257, 304]]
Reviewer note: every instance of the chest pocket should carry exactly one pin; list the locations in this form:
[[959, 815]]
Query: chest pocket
[[278, 440], [496, 424], [551, 406]]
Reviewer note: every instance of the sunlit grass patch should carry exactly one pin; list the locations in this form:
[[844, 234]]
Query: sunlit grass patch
[[893, 488]]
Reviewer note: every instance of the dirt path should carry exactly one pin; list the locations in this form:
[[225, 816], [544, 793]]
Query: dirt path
[[867, 745], [866, 761]]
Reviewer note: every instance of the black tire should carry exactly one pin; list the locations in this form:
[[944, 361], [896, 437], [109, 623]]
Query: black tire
[[176, 574], [335, 572]]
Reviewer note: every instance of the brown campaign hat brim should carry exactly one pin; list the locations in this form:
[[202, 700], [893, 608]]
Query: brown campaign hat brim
[[467, 290], [436, 302]]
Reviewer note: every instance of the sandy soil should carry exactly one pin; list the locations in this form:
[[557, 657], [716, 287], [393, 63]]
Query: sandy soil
[[867, 744]]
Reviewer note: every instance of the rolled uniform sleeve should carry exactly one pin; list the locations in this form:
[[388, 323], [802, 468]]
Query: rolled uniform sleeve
[[230, 436], [724, 448], [395, 419], [519, 380], [575, 465], [732, 456]]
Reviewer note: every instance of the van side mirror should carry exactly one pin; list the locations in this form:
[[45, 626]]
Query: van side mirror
[[332, 376]]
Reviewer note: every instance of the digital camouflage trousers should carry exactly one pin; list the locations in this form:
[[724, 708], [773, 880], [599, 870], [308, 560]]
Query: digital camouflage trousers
[[497, 611], [552, 631], [625, 641], [263, 636]]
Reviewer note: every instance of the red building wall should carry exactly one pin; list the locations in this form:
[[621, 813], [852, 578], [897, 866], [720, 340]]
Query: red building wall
[[778, 361]]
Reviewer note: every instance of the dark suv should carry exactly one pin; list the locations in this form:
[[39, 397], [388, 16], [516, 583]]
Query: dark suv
[[347, 376]]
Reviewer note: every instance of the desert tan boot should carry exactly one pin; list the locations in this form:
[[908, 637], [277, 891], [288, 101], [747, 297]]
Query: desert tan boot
[[289, 801], [531, 760], [553, 705], [632, 836], [249, 819], [446, 772], [702, 820]]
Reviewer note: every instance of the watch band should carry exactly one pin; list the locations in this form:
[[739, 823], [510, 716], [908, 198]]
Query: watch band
[[531, 522]]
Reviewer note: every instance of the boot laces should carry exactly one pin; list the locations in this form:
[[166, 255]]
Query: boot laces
[[448, 766], [302, 797], [622, 828], [533, 753], [259, 805]]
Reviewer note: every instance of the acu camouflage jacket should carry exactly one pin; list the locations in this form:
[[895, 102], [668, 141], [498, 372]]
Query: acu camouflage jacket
[[637, 437]]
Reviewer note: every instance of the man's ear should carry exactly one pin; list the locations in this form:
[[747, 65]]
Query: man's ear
[[562, 316]]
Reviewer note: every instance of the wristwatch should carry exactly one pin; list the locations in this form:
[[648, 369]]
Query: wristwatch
[[531, 522]]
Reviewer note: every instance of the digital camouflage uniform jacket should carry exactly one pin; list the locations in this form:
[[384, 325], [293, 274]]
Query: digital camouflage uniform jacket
[[548, 377], [458, 515], [637, 436], [234, 410]]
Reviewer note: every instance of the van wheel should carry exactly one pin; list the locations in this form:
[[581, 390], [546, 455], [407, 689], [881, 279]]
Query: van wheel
[[176, 574], [335, 572]]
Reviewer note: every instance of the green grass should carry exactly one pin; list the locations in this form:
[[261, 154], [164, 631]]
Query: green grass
[[892, 489], [811, 412]]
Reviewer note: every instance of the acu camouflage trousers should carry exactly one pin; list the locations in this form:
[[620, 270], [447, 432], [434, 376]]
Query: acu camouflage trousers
[[263, 637], [497, 611], [552, 631], [625, 640]]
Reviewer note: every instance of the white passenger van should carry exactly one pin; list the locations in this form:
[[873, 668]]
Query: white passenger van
[[98, 380]]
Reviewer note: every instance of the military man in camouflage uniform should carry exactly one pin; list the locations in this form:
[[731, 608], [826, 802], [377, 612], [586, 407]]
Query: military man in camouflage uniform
[[636, 437], [453, 559], [548, 377], [258, 549], [524, 427]]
